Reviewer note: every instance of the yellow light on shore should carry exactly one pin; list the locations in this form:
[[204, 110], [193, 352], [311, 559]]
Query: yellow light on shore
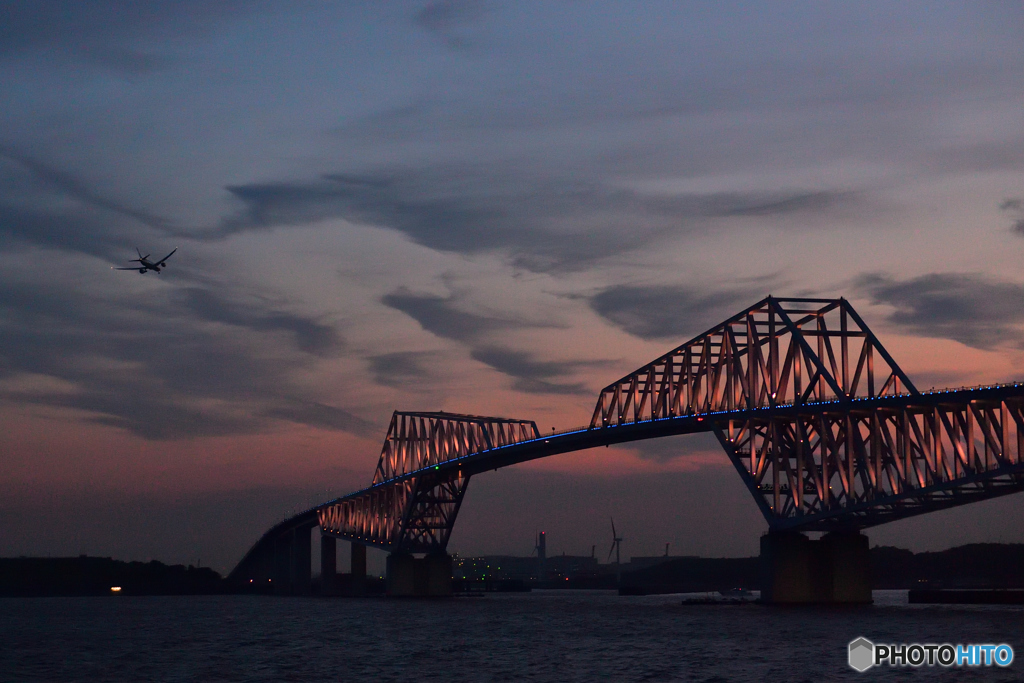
[[115, 589]]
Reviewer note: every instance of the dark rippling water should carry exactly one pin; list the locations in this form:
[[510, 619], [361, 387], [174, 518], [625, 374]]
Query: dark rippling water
[[540, 636]]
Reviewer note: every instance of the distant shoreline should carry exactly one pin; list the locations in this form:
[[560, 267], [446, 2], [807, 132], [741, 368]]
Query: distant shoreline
[[84, 575], [973, 566]]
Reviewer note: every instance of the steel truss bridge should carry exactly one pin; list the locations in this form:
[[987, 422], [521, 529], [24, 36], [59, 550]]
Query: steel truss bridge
[[824, 428]]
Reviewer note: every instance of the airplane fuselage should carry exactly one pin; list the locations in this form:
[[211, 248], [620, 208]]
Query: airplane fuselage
[[146, 265]]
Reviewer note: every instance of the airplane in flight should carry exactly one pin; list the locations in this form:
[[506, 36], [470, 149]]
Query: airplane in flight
[[146, 264]]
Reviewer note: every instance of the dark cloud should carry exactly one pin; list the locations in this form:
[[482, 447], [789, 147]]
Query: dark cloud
[[970, 308], [1015, 207], [310, 335], [781, 205], [440, 316], [529, 375], [167, 366], [158, 367], [84, 232], [543, 225], [665, 311], [400, 369], [43, 206], [117, 34], [448, 18], [66, 184], [323, 416]]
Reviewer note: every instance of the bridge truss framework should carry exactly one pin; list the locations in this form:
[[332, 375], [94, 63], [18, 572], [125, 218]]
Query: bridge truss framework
[[411, 504], [823, 426]]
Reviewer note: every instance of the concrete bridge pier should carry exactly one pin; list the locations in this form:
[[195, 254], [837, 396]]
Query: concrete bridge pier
[[352, 584], [282, 577], [400, 578], [427, 577], [302, 561], [292, 563], [358, 562], [328, 564], [356, 585], [832, 570]]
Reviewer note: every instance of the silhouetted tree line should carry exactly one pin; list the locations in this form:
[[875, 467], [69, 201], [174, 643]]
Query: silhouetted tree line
[[42, 576], [978, 565]]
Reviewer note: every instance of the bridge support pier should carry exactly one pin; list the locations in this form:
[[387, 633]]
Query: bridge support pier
[[282, 578], [293, 562], [328, 564], [401, 575], [430, 576], [302, 561], [832, 570], [436, 575], [355, 582], [358, 566]]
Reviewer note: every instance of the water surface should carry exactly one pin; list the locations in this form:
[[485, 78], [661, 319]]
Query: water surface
[[539, 636]]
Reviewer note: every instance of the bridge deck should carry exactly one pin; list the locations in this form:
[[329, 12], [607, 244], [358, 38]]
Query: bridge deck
[[585, 437], [867, 501]]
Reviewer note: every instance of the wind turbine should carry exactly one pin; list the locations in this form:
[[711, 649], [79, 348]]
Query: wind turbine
[[616, 542]]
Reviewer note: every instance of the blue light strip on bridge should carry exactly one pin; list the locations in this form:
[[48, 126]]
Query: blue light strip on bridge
[[695, 417]]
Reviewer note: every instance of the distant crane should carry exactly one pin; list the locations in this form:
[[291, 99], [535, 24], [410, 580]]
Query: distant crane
[[616, 543]]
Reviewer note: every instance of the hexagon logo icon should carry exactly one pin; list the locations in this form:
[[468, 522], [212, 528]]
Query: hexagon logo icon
[[862, 654]]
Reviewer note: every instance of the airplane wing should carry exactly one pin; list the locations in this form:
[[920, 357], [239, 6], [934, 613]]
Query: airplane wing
[[132, 268], [168, 256]]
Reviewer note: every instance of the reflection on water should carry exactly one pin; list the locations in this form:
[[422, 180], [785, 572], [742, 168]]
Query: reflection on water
[[540, 636]]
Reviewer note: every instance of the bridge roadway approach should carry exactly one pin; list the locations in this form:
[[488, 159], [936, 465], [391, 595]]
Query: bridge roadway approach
[[823, 427]]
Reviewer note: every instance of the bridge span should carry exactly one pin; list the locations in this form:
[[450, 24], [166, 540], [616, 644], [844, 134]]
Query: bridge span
[[821, 424]]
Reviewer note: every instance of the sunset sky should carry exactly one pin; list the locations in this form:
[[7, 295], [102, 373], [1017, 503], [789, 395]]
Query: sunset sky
[[480, 207]]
